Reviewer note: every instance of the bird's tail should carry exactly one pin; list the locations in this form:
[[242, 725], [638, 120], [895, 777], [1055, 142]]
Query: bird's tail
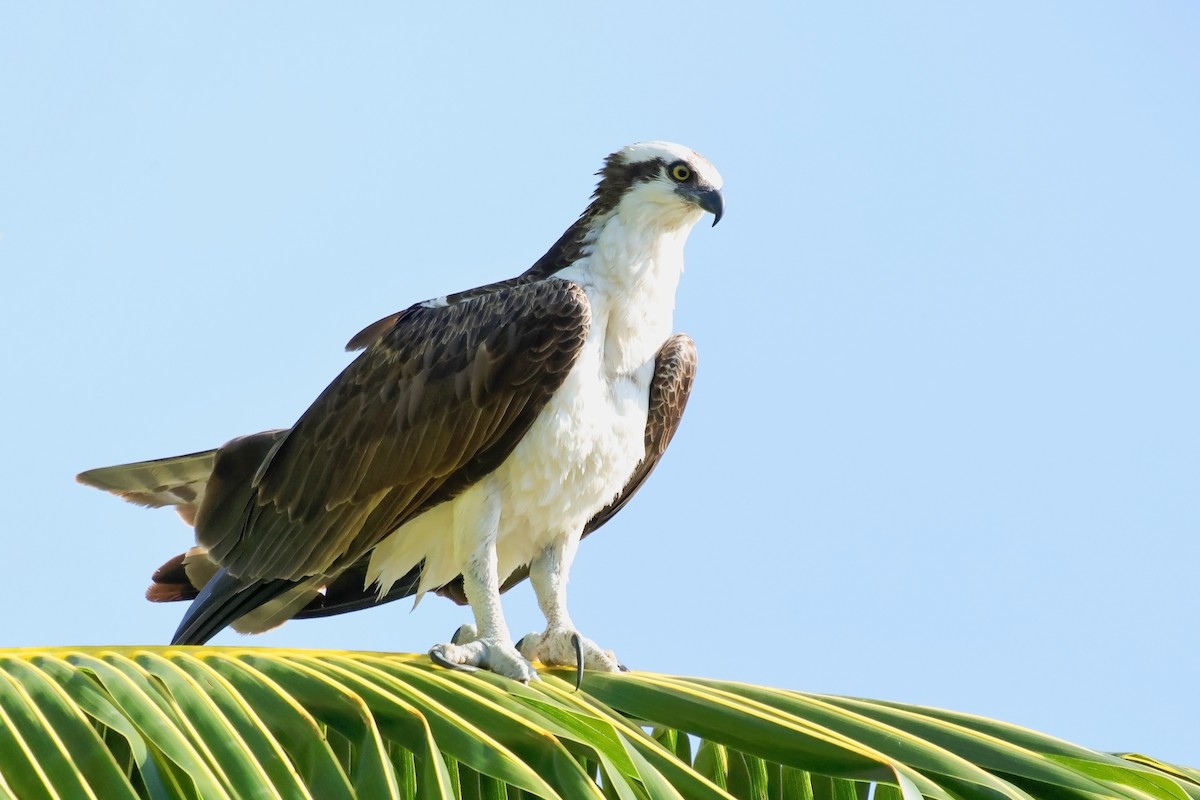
[[183, 482], [219, 599], [177, 481]]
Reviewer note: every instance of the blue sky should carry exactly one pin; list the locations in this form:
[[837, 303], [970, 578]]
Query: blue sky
[[944, 444]]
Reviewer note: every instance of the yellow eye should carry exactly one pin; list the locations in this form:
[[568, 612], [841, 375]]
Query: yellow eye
[[681, 171]]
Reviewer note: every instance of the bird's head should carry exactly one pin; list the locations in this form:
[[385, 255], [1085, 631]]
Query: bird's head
[[660, 183]]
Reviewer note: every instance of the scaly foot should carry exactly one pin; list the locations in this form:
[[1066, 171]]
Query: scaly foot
[[564, 647], [473, 653]]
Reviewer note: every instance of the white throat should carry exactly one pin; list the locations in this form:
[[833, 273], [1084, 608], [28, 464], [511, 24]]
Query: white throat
[[630, 271]]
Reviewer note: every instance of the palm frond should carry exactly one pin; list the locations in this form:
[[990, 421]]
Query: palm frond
[[214, 723]]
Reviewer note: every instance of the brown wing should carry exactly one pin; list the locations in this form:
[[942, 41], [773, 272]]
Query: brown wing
[[431, 406]]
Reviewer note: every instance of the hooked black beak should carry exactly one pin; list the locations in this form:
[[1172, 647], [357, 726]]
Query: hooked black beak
[[708, 199], [712, 202]]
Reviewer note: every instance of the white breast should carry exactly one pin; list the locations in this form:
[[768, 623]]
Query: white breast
[[576, 458]]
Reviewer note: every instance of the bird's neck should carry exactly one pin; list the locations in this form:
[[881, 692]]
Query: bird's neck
[[630, 269]]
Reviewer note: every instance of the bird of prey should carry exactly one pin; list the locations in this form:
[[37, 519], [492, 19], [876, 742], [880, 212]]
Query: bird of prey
[[472, 444]]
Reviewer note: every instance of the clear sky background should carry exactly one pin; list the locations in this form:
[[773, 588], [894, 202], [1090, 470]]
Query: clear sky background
[[944, 445]]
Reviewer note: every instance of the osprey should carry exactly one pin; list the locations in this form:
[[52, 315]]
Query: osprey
[[473, 443]]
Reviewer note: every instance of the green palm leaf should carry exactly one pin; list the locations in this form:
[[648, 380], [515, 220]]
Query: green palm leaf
[[244, 723]]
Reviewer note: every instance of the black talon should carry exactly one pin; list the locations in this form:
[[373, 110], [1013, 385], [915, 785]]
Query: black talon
[[521, 642], [442, 661], [578, 660], [623, 668], [457, 637]]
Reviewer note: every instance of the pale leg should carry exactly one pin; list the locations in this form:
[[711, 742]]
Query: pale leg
[[548, 574], [492, 646]]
